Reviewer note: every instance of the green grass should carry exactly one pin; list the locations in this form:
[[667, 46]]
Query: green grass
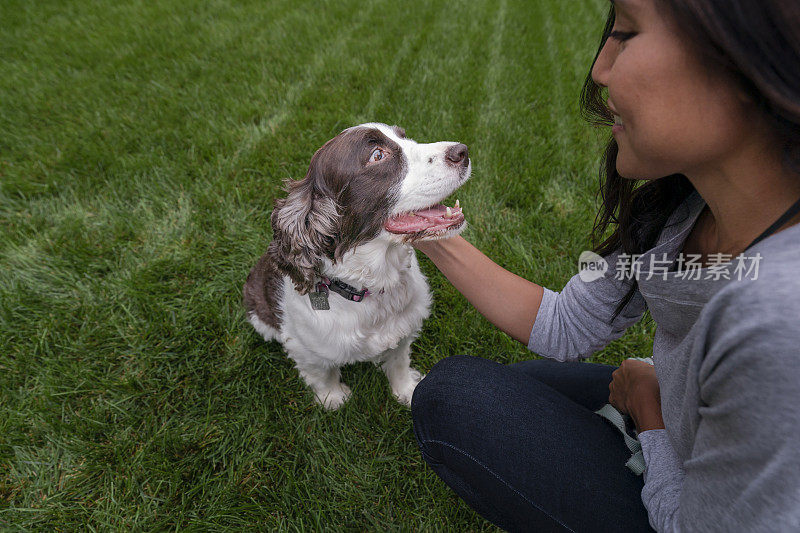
[[142, 144]]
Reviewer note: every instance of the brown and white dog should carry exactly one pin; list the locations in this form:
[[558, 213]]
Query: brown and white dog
[[340, 282]]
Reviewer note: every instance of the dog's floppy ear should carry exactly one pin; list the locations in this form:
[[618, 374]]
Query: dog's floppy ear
[[304, 230]]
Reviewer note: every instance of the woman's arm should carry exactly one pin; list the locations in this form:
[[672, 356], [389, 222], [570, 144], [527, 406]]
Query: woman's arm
[[564, 326], [505, 299]]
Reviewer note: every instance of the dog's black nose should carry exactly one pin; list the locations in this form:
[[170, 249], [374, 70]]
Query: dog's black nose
[[458, 153]]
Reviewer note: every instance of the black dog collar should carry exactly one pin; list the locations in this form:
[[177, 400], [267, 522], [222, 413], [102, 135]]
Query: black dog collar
[[344, 290]]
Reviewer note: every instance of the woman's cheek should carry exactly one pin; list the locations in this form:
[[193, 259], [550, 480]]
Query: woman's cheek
[[646, 153]]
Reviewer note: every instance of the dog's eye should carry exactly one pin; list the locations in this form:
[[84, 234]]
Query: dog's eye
[[377, 155]]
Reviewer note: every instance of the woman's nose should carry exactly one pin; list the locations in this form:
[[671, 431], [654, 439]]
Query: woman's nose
[[602, 66]]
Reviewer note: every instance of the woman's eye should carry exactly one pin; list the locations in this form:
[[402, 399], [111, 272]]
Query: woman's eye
[[621, 36], [377, 155]]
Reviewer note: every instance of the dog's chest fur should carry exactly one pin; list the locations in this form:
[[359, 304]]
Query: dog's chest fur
[[358, 331]]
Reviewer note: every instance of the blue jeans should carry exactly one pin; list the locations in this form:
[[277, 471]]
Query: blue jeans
[[521, 445]]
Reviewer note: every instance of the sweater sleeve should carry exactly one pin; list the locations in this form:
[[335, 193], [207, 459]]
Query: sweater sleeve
[[663, 479], [578, 321], [743, 473]]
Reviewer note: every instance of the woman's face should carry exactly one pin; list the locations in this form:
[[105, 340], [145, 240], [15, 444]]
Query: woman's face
[[672, 114]]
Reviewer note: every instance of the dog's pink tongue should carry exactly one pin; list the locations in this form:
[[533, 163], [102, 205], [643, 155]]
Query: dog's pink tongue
[[407, 224], [432, 212], [431, 219]]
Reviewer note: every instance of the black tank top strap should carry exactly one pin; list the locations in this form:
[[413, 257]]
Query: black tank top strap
[[792, 211]]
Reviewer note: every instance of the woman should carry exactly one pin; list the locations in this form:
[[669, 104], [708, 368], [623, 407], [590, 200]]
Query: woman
[[704, 165]]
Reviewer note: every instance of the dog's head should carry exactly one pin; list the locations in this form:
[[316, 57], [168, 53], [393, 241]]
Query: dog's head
[[368, 182]]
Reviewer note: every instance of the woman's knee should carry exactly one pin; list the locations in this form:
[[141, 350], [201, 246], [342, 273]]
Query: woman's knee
[[444, 392], [447, 380]]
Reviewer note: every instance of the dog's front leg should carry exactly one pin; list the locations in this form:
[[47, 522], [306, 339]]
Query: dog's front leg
[[397, 366], [325, 381]]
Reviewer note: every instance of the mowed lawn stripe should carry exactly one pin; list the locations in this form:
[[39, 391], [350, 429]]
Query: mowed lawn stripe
[[330, 49], [491, 112], [569, 179], [84, 96], [488, 111], [433, 105], [384, 77], [571, 183], [549, 122]]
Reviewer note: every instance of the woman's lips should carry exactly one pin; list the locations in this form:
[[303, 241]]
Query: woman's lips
[[618, 124]]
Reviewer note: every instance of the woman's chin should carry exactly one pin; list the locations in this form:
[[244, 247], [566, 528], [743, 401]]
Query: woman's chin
[[625, 172], [631, 171]]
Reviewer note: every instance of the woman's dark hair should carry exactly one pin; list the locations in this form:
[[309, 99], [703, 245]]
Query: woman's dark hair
[[756, 43]]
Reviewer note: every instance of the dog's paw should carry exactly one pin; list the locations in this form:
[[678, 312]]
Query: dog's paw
[[406, 391], [333, 398]]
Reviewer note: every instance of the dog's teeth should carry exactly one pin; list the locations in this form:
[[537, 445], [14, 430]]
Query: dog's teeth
[[448, 213], [457, 204]]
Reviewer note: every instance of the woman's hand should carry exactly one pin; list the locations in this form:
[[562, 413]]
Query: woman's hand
[[427, 247], [635, 391]]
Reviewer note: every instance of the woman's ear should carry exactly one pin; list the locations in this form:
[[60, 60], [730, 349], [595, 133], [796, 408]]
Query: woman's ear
[[304, 230]]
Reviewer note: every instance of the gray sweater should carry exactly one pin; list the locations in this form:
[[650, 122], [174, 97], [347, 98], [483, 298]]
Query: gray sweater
[[727, 358]]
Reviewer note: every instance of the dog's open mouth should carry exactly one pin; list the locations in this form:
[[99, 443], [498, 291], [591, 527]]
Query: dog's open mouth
[[433, 221]]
